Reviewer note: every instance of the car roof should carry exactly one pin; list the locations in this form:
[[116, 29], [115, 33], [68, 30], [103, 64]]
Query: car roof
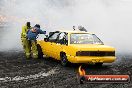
[[73, 31]]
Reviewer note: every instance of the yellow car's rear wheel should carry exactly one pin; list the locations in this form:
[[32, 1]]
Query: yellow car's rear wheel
[[40, 53], [64, 61]]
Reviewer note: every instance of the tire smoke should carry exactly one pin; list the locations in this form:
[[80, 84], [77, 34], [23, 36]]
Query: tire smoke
[[111, 20]]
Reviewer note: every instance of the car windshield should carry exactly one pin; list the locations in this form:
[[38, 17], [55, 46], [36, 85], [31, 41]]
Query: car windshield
[[84, 38]]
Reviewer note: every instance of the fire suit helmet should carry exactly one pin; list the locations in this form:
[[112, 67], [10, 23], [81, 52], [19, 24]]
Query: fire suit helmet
[[28, 24]]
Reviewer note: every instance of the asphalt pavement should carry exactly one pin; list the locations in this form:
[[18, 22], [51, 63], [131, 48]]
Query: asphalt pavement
[[18, 72]]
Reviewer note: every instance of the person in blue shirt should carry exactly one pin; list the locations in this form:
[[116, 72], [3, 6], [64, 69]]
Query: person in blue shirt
[[32, 36]]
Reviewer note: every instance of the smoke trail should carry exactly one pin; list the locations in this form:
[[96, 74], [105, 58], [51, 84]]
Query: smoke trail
[[111, 20]]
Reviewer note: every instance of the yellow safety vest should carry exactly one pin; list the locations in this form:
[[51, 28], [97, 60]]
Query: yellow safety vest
[[24, 31]]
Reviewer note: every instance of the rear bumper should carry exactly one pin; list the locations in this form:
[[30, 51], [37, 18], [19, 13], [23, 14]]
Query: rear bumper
[[91, 59]]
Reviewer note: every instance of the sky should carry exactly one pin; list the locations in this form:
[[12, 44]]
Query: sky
[[110, 20]]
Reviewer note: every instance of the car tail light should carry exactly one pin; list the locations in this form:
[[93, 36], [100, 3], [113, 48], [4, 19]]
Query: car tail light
[[95, 53]]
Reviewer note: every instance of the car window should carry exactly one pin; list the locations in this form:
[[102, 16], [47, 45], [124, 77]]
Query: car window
[[62, 38], [84, 38], [53, 37]]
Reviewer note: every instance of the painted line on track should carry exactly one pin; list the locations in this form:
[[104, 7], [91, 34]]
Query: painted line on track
[[30, 77]]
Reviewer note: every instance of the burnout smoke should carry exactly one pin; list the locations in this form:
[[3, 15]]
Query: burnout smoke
[[111, 20]]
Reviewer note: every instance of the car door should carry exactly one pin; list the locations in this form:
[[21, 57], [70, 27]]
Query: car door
[[45, 47], [60, 44], [51, 42]]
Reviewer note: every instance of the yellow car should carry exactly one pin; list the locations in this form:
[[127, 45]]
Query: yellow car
[[76, 47]]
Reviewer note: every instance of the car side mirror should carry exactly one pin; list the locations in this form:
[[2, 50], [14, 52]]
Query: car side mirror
[[45, 39]]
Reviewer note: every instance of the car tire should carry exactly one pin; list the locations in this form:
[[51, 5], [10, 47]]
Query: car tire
[[64, 61], [40, 53], [99, 64]]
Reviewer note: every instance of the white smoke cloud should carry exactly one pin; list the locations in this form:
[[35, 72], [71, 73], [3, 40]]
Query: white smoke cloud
[[111, 20]]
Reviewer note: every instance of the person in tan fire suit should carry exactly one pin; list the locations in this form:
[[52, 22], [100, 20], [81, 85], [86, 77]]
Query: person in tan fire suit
[[25, 42]]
